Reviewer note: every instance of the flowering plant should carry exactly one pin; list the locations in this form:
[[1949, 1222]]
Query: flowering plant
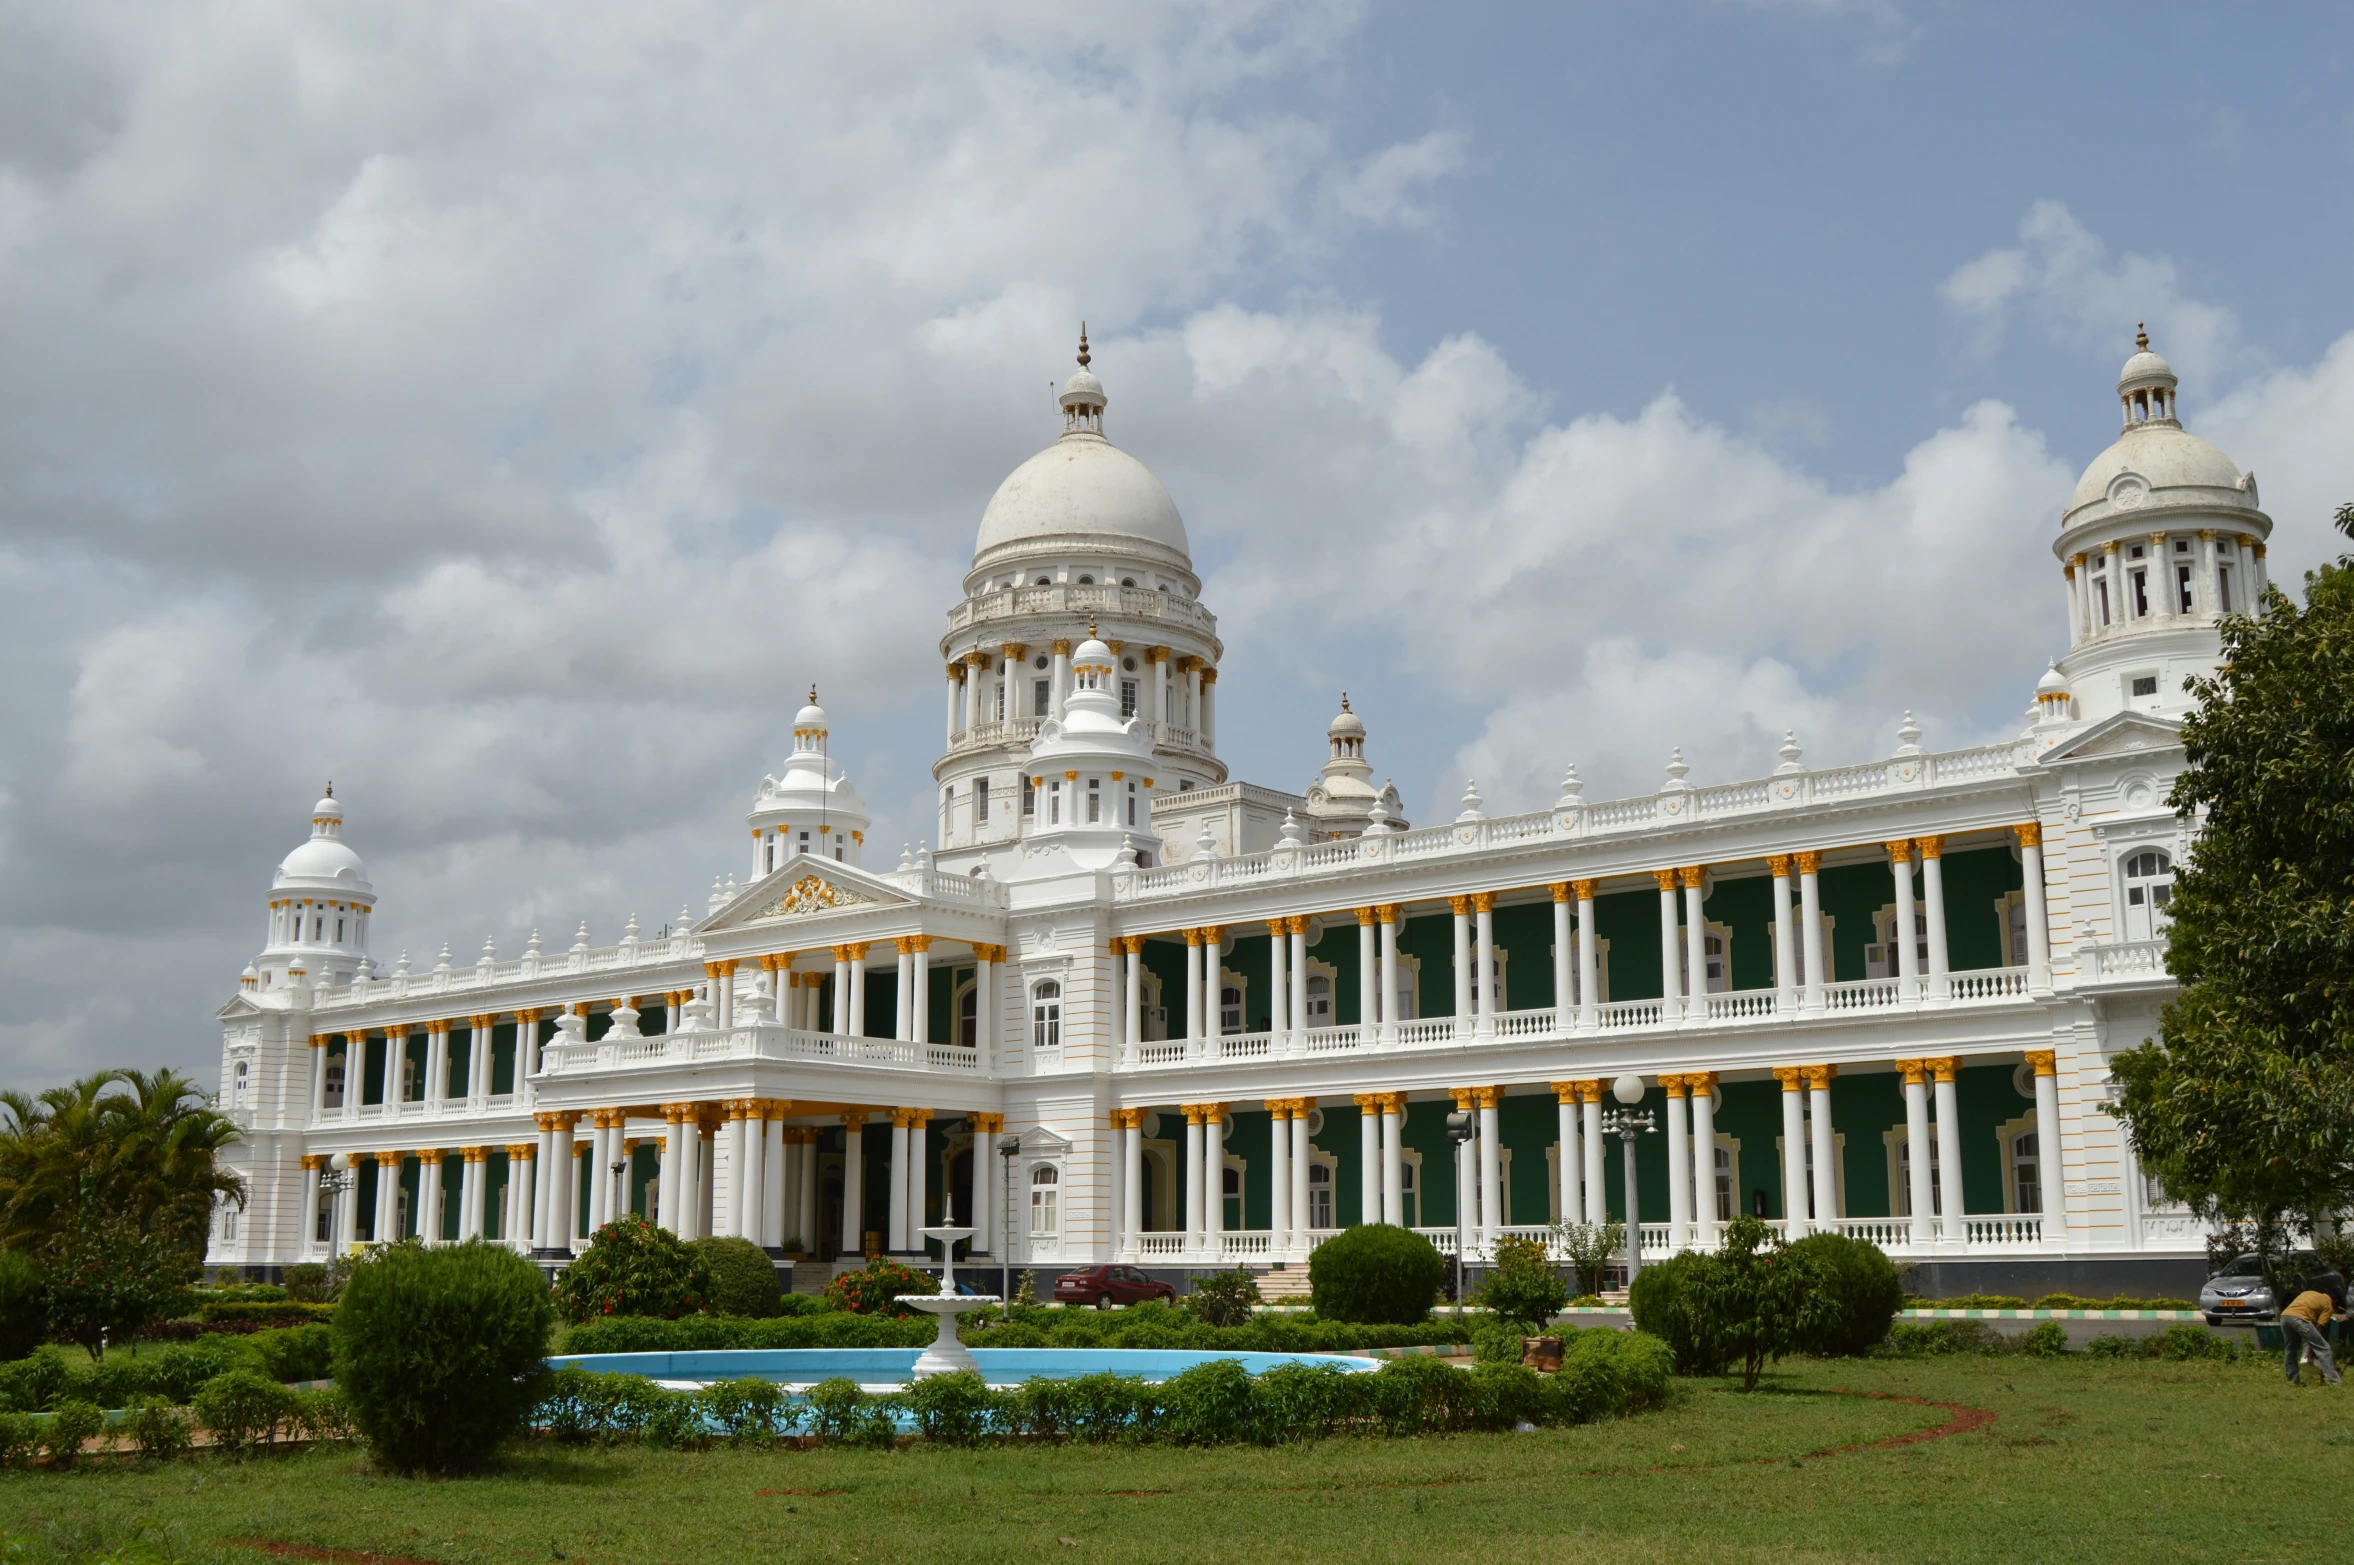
[[633, 1268], [875, 1290]]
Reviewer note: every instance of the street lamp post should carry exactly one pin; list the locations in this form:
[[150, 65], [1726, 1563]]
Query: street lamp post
[[1626, 1124], [617, 1198], [1461, 1128], [1008, 1148], [335, 1181]]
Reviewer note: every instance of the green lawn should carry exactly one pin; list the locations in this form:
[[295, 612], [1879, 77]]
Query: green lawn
[[2079, 1461]]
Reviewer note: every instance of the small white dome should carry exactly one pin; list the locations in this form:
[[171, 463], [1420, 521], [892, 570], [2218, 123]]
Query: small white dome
[[1092, 651], [2145, 369], [1348, 725], [323, 858], [327, 809], [1082, 390], [810, 716], [2053, 683]]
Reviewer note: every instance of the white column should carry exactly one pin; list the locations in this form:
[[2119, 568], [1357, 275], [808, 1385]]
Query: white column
[[853, 1184], [388, 1200], [396, 1054], [776, 1180], [1301, 1109], [751, 1145], [470, 1195], [973, 664], [919, 1155], [1589, 960], [728, 1197], [1376, 954], [1702, 1087], [1939, 986], [1214, 1208], [1908, 957], [1193, 985], [1296, 928], [437, 1067], [1062, 677], [1785, 959], [1795, 1190], [1566, 1167], [1467, 1193], [948, 725], [670, 1195], [723, 995], [347, 1205], [841, 991], [1695, 945], [1194, 1171], [1132, 1185], [478, 1061], [1393, 1159], [2161, 577], [1484, 975], [919, 984], [1491, 1166], [858, 991], [1132, 997], [572, 1239], [1213, 996], [600, 1179], [1818, 1093], [2039, 930], [2207, 598], [1209, 723], [1949, 1150], [903, 998], [895, 1211], [1810, 927], [1279, 982], [1679, 1164], [1671, 951], [310, 1203], [1918, 1152], [564, 1170], [1368, 1158], [319, 1085], [1464, 999], [986, 1021], [544, 1216], [1279, 1215], [1193, 698], [2050, 1176], [806, 1220], [1597, 1193], [1564, 962]]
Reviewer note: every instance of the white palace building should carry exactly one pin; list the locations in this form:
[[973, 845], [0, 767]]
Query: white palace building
[[1133, 1011]]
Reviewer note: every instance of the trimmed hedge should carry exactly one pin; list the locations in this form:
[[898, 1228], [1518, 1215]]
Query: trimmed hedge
[[175, 1372], [440, 1353], [1660, 1302], [1139, 1326], [1604, 1374], [279, 1312], [24, 1309], [1376, 1273], [743, 1279], [1865, 1293]]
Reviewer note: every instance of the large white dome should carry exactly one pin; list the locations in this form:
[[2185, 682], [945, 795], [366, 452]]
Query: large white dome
[[1081, 485], [2167, 458], [323, 858]]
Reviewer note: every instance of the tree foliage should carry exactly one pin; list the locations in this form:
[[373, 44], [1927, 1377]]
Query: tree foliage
[[632, 1267], [1377, 1273], [1524, 1287], [1755, 1299], [2244, 1105], [103, 1280]]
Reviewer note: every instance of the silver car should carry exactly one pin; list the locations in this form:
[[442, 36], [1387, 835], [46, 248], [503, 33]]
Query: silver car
[[2239, 1291]]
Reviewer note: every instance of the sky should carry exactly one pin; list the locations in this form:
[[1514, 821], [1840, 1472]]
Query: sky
[[509, 410]]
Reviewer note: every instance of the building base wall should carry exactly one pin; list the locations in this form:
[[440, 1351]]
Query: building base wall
[[2093, 1276]]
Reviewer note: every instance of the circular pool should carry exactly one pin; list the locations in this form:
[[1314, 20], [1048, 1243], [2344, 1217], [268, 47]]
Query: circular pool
[[887, 1369]]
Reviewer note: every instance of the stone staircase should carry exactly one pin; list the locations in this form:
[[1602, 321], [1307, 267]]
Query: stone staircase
[[812, 1276], [1286, 1284]]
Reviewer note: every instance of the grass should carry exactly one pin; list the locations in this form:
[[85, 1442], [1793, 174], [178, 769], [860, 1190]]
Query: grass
[[2079, 1461]]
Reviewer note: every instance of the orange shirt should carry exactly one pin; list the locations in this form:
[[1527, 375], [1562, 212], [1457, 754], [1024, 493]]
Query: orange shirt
[[2312, 1307]]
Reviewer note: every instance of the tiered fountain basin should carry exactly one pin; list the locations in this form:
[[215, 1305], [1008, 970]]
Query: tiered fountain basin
[[888, 1369]]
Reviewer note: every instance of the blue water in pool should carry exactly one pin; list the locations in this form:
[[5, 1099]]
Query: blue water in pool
[[889, 1367]]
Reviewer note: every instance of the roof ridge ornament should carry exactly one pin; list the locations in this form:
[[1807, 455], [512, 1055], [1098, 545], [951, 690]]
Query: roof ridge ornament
[[2141, 337], [1083, 354]]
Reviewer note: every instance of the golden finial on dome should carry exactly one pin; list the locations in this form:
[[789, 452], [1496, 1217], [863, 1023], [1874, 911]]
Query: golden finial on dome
[[1344, 700], [2141, 337], [813, 692], [1082, 344]]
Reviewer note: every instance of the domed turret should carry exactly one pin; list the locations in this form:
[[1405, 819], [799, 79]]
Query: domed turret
[[2161, 537], [320, 903], [812, 808], [1090, 772], [1343, 802]]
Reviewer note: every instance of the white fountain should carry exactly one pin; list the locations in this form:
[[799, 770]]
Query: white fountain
[[946, 1355]]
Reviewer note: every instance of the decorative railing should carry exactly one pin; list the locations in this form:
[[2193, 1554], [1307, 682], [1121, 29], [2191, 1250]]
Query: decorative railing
[[2124, 959], [1863, 994], [1787, 793], [1886, 1232], [755, 1043], [2000, 983], [1070, 599], [2002, 1230]]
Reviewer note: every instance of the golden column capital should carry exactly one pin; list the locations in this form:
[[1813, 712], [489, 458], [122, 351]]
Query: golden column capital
[[1819, 1075], [396, 1031], [521, 1151], [1666, 879], [1192, 1112], [1391, 912], [473, 1154], [1461, 906], [1943, 1066], [1564, 1091], [1193, 937], [312, 1160], [1788, 1076], [1584, 889], [1279, 1108], [1701, 1084], [1913, 1072], [2030, 834], [1900, 850], [1212, 934], [1277, 928], [1483, 902], [1779, 864], [390, 1159], [1367, 1102], [858, 950], [1810, 860], [1931, 847], [482, 1023], [1367, 915], [1464, 1097], [1692, 874], [1559, 889], [2045, 1061], [1214, 1114], [1589, 1089], [1296, 924], [1672, 1085], [854, 1119]]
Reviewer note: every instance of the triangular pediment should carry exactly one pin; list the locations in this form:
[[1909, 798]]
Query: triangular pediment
[[240, 1006], [805, 888], [2121, 733]]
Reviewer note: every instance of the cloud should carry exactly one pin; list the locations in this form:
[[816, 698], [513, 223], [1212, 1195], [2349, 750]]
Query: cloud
[[2065, 279]]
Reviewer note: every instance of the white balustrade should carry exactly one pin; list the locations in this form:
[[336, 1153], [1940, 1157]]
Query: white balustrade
[[1862, 994], [1886, 1232], [1999, 983], [2125, 959], [2002, 1230]]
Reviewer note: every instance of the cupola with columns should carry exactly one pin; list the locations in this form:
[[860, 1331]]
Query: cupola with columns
[[1090, 776], [1342, 802], [320, 903], [812, 808], [2161, 538], [1080, 535]]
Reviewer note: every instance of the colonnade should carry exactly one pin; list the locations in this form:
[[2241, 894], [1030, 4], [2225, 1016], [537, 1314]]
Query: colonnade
[[2090, 617], [1802, 966]]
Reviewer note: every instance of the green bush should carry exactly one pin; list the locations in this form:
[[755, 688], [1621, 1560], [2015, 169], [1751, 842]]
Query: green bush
[[440, 1353], [952, 1409], [282, 1311], [1497, 1343], [2183, 1341], [875, 1291], [24, 1310], [243, 1410], [743, 1278], [33, 1382], [749, 1411], [20, 1437], [1916, 1339], [2048, 1339], [1524, 1287], [582, 1405], [173, 1372], [1660, 1302], [158, 1430], [1971, 1301], [1865, 1293], [295, 1353], [306, 1282], [323, 1414], [1224, 1298], [841, 1411], [1138, 1326], [1375, 1272], [632, 1267], [71, 1422]]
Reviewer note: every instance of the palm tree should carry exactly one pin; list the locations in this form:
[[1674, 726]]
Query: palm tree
[[150, 1154]]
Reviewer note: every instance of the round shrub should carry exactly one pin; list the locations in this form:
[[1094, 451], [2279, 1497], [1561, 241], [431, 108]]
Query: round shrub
[[243, 1410], [72, 1422], [24, 1313], [158, 1430], [2047, 1339], [876, 1290], [1376, 1273], [1661, 1302], [1524, 1287], [439, 1353], [632, 1267], [1865, 1293], [743, 1278]]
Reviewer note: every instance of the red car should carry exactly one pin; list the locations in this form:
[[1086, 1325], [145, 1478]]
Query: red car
[[1105, 1286]]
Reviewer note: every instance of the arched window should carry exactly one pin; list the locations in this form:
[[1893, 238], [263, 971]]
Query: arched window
[[2149, 887], [1086, 581], [1045, 1200], [1230, 1009], [1319, 1000], [1046, 1015], [2026, 1180]]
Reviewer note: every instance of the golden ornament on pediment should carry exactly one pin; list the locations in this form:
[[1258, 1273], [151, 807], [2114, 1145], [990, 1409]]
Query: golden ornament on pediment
[[809, 894]]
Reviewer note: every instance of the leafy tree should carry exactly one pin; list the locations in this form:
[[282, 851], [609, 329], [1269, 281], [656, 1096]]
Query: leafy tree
[[1756, 1299], [2244, 1105], [1524, 1287], [1224, 1298], [105, 1279], [632, 1267], [1589, 1247]]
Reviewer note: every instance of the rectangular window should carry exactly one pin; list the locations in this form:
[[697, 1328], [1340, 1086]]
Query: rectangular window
[[1041, 697], [2182, 588], [1094, 800], [1054, 805], [1132, 804], [997, 696], [2223, 588], [980, 799], [1127, 698], [1030, 796], [2145, 685], [2141, 594], [2100, 592]]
